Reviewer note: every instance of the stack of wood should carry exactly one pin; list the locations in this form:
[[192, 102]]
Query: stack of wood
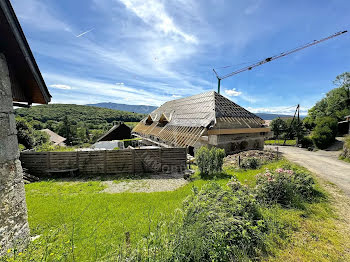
[[28, 178]]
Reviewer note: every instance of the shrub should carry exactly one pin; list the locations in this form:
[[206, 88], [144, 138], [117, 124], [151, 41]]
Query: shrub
[[325, 132], [210, 161], [284, 186], [219, 224], [345, 155], [250, 163], [306, 142]]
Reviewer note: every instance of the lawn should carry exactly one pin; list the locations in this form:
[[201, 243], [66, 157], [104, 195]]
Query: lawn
[[280, 142], [77, 222]]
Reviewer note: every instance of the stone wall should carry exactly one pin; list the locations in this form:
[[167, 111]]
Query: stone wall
[[14, 230], [234, 143]]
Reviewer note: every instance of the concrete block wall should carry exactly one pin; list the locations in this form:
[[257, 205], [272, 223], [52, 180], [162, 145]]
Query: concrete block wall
[[14, 229]]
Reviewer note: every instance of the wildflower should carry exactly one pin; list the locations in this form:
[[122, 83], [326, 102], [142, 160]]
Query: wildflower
[[290, 172], [279, 170]]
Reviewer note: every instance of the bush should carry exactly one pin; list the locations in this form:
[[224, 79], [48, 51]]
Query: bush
[[284, 186], [250, 163], [220, 225], [346, 149], [325, 132], [306, 142], [210, 161]]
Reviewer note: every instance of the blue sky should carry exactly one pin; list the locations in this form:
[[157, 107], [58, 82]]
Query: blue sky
[[149, 52]]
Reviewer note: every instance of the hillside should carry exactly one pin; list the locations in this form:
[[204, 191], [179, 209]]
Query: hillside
[[142, 109], [90, 115]]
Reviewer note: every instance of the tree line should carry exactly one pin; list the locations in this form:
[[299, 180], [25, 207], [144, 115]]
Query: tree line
[[320, 127], [78, 124]]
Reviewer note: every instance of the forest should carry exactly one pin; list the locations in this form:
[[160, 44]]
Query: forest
[[77, 123]]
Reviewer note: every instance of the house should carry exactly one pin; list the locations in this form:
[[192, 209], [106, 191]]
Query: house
[[119, 131], [20, 82], [204, 119], [344, 126], [55, 139]]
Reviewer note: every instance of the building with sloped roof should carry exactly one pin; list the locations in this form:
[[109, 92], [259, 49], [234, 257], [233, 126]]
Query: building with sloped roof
[[119, 131], [21, 84], [204, 119], [55, 139]]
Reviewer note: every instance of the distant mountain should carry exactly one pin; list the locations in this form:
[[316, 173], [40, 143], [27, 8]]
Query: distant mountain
[[141, 109], [267, 116]]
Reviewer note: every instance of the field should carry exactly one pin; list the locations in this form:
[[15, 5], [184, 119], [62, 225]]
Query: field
[[280, 142], [76, 221]]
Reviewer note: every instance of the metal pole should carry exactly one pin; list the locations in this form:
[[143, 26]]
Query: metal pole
[[219, 80]]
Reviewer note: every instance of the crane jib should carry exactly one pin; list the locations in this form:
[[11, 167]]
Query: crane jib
[[269, 59]]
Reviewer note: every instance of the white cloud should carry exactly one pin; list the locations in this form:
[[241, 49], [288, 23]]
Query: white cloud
[[153, 13], [97, 91], [278, 110], [232, 92], [39, 15], [59, 86]]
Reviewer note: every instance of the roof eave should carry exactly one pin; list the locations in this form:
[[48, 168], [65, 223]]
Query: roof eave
[[24, 46]]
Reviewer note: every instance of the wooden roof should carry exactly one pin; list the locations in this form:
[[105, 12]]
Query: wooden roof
[[188, 118], [26, 80]]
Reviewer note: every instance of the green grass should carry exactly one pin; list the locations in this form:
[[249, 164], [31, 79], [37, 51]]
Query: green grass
[[344, 159], [280, 142], [75, 220], [131, 124]]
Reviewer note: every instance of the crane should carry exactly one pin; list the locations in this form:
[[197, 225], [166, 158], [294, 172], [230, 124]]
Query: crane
[[269, 59]]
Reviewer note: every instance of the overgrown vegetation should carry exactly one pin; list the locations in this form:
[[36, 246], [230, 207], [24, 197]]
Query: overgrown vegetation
[[219, 220], [250, 163], [210, 161], [345, 155], [280, 142]]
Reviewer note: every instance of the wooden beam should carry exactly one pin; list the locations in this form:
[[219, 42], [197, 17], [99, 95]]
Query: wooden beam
[[238, 131]]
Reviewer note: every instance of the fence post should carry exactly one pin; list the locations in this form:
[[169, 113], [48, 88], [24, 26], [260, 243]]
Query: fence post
[[105, 162], [160, 161], [48, 160], [133, 160], [77, 159]]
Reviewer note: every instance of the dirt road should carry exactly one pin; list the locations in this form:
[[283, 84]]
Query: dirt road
[[323, 163]]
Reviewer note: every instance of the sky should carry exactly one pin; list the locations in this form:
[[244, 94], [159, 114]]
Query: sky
[[147, 52]]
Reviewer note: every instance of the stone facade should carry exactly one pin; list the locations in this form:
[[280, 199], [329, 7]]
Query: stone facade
[[14, 229]]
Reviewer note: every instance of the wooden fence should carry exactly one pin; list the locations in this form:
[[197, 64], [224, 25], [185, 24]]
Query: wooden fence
[[130, 161]]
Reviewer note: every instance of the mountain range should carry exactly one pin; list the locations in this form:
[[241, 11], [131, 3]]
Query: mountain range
[[143, 109]]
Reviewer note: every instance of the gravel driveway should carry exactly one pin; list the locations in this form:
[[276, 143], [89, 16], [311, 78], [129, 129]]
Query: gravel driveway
[[323, 163]]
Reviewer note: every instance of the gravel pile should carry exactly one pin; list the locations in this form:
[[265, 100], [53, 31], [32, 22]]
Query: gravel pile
[[262, 155]]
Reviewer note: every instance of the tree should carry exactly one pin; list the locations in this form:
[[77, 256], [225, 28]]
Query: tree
[[278, 126], [28, 136], [325, 132], [336, 104]]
